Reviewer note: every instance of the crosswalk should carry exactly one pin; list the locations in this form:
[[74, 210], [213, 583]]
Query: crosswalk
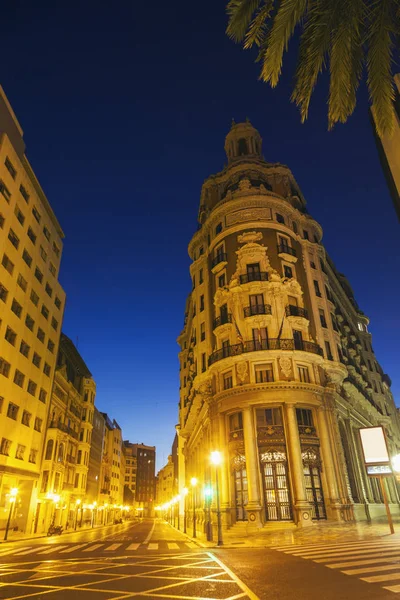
[[90, 547], [373, 561]]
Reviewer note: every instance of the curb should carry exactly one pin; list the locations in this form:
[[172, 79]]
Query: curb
[[39, 537]]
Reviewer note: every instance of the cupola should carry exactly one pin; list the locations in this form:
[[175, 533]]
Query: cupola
[[242, 141]]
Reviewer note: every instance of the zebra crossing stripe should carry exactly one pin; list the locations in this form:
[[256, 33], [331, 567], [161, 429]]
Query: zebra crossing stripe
[[53, 549], [73, 548], [152, 547], [356, 555], [92, 548], [355, 551], [334, 548], [366, 561], [392, 588], [27, 551], [372, 569], [380, 578], [173, 546], [112, 547], [16, 551], [133, 547]]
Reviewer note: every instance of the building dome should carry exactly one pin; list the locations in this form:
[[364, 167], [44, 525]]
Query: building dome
[[243, 140]]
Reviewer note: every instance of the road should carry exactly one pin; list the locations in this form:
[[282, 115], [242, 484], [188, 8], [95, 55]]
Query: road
[[150, 559]]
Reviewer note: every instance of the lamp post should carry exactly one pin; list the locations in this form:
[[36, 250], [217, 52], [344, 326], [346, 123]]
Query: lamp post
[[193, 482], [185, 492], [208, 498], [13, 497], [178, 498], [77, 503], [216, 460]]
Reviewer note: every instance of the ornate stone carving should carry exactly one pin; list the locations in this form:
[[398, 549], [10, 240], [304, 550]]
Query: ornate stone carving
[[286, 366], [244, 185], [249, 236], [251, 214], [242, 371]]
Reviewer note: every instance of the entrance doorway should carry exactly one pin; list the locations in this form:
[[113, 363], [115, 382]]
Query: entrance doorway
[[241, 495], [314, 492], [278, 506]]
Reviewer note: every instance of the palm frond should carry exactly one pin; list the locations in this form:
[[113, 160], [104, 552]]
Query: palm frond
[[314, 46], [240, 14], [346, 60], [258, 27], [379, 61], [289, 14]]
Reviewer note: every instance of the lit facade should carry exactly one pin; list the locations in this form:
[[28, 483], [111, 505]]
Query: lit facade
[[277, 369], [31, 313], [142, 469], [112, 476], [165, 483]]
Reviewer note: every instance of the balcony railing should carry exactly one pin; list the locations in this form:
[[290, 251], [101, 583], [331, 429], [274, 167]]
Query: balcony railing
[[260, 276], [222, 320], [286, 249], [364, 392], [270, 344], [64, 428], [296, 311], [68, 486], [257, 309], [221, 257]]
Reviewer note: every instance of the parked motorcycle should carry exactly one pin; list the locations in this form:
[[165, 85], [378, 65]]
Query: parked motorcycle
[[55, 530]]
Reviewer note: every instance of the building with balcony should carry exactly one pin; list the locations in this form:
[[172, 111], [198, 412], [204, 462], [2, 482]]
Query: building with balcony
[[112, 478], [31, 313], [277, 370], [165, 483], [142, 466], [65, 460]]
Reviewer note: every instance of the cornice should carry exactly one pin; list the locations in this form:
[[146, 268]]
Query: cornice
[[270, 387]]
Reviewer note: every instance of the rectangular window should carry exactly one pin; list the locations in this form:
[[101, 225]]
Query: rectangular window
[[203, 362], [10, 336], [3, 293], [304, 374], [264, 373], [7, 264], [52, 269], [14, 239], [269, 416], [305, 234], [202, 332], [328, 351], [33, 455], [36, 214], [323, 268], [256, 304], [36, 359], [235, 422], [50, 346], [19, 378], [49, 290], [2, 221], [29, 322], [201, 278], [5, 191], [201, 303], [12, 411], [27, 258], [10, 168], [46, 369], [19, 215], [26, 418], [32, 386], [227, 380], [4, 367], [45, 311], [294, 225], [5, 446], [221, 280], [317, 290], [56, 249], [46, 233], [322, 317], [42, 395], [38, 274], [304, 417], [24, 348], [54, 323], [43, 254], [280, 218], [218, 228], [23, 284], [287, 271], [32, 236], [16, 308], [34, 297], [20, 451], [24, 193], [57, 302]]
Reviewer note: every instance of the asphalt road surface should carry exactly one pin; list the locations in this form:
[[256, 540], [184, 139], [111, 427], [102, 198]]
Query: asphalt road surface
[[152, 560]]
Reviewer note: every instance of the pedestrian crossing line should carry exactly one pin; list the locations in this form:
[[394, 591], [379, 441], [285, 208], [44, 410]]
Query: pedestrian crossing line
[[365, 561], [288, 547], [73, 548], [152, 547], [133, 546], [341, 548], [11, 551], [112, 547], [381, 578], [355, 555], [52, 549], [173, 546], [92, 548], [191, 545], [335, 553], [392, 588], [372, 569], [26, 552]]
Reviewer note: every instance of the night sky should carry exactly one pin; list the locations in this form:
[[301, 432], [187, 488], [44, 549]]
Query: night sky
[[125, 107]]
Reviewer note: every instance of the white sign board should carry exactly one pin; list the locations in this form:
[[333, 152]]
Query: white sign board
[[374, 445]]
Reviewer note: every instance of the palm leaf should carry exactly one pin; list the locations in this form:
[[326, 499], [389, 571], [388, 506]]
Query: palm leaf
[[258, 27], [288, 16], [379, 60], [240, 13]]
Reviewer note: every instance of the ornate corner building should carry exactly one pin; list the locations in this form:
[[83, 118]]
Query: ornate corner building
[[277, 370]]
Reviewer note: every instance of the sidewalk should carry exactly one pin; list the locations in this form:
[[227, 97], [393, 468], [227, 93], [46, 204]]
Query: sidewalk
[[19, 536], [281, 534]]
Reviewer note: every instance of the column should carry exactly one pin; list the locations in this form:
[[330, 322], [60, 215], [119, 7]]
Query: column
[[301, 505], [253, 506], [224, 471], [333, 503]]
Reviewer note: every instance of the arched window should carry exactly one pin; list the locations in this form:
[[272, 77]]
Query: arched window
[[60, 453], [242, 147], [49, 450]]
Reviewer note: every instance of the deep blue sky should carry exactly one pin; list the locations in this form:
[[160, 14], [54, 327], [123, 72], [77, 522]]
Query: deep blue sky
[[125, 107]]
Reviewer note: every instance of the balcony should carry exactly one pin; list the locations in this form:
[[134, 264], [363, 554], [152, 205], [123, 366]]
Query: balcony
[[257, 309], [68, 486], [221, 257], [64, 428], [287, 250], [270, 344], [364, 392], [260, 276], [71, 459], [296, 311], [222, 320]]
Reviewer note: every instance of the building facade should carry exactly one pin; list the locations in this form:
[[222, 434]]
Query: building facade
[[277, 371], [113, 465], [31, 312], [95, 457], [166, 483], [65, 462], [142, 466]]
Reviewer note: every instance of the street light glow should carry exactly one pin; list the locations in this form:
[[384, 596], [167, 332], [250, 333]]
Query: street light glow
[[216, 458], [396, 463], [193, 481]]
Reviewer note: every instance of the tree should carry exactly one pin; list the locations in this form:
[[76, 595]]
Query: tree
[[346, 35]]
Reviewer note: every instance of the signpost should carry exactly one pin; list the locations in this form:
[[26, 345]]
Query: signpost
[[377, 461]]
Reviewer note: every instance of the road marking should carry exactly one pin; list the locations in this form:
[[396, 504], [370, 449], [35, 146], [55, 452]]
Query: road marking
[[133, 547], [152, 547], [53, 549], [235, 578], [173, 546], [92, 548], [356, 555], [330, 545], [379, 578], [392, 588], [73, 548], [372, 569], [112, 547], [372, 551], [28, 551], [150, 533], [355, 563], [347, 549]]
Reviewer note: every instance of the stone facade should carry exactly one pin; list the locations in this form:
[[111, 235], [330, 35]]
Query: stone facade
[[277, 369]]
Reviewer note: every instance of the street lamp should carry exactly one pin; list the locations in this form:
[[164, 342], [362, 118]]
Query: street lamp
[[13, 497], [208, 497], [185, 492], [193, 482], [216, 460], [77, 503]]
